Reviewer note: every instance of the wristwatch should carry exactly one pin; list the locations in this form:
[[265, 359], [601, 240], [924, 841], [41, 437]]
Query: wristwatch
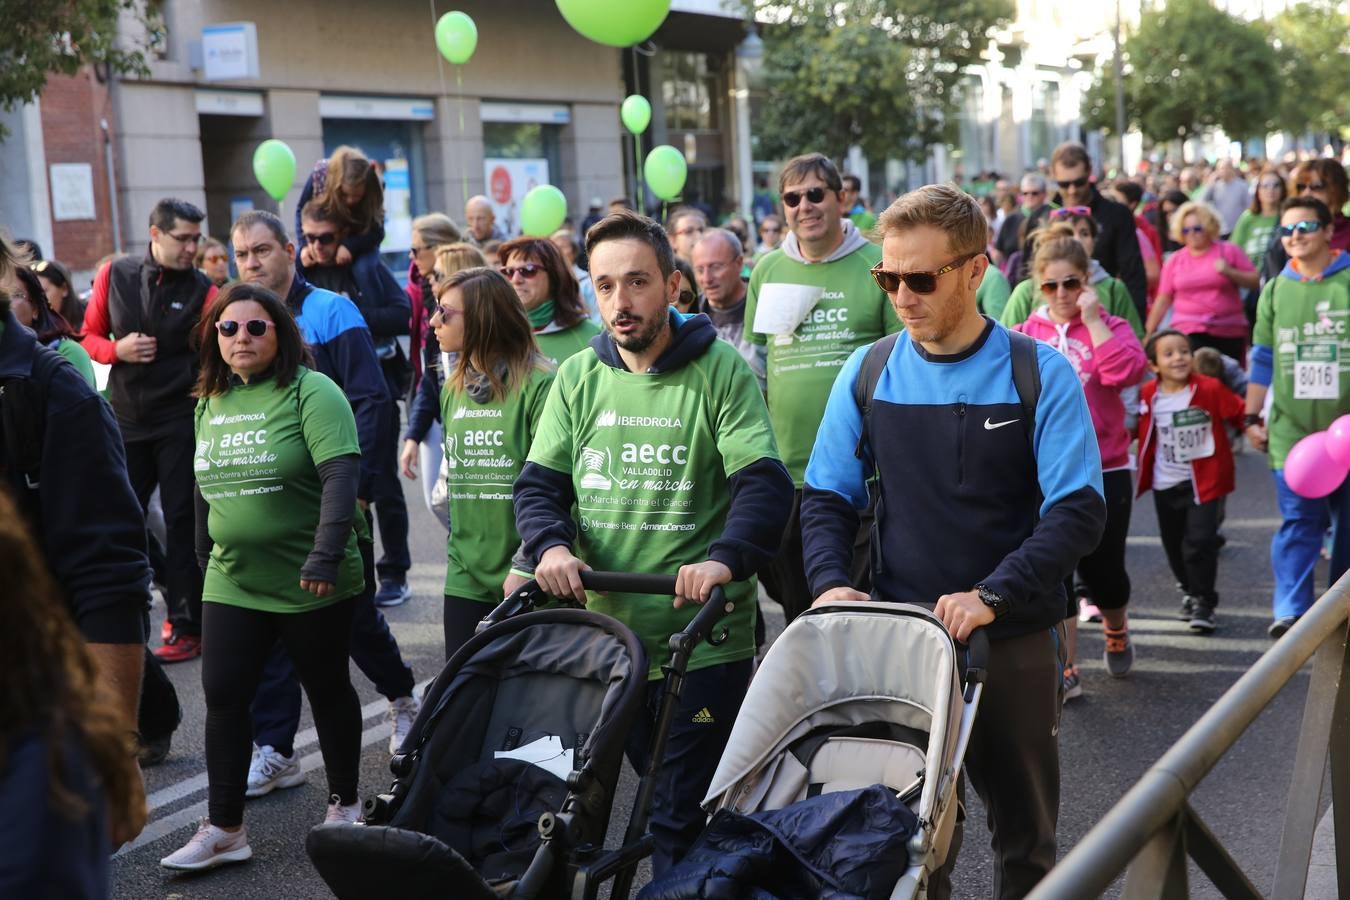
[[1250, 419], [993, 599]]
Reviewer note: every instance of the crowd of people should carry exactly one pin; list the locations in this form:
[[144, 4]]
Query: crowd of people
[[665, 397]]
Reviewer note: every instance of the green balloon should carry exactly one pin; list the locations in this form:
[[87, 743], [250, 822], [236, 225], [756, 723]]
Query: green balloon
[[456, 37], [636, 113], [666, 170], [274, 167], [542, 210], [618, 23]]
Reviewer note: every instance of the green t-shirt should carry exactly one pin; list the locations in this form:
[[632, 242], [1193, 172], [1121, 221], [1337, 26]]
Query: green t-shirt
[[992, 294], [1308, 328], [650, 456], [865, 221], [485, 447], [1112, 293], [1252, 234], [79, 358], [802, 364], [558, 345], [258, 448]]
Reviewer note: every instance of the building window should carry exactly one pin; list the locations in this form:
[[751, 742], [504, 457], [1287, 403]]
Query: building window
[[689, 92], [1045, 130], [975, 136]]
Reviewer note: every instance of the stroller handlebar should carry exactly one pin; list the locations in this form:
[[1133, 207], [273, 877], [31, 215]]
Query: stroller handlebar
[[977, 656]]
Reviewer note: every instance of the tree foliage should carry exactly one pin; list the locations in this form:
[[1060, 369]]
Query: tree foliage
[[1311, 38], [45, 37], [1189, 67], [881, 74]]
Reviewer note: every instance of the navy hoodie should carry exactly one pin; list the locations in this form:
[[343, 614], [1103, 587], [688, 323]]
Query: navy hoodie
[[761, 493]]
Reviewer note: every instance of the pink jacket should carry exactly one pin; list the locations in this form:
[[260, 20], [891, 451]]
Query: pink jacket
[[1104, 371]]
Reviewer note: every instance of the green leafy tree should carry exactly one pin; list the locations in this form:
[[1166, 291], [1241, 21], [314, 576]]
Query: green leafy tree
[[881, 74], [1314, 91], [1190, 67], [44, 37]]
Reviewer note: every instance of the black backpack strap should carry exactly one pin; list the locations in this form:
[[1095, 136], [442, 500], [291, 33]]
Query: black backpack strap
[[1026, 372], [23, 416], [865, 388]]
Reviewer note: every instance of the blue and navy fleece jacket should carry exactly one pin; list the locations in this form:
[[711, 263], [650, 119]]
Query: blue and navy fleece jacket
[[761, 493], [962, 499], [344, 351]]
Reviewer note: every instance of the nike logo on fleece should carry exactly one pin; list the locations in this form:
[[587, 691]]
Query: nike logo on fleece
[[990, 426]]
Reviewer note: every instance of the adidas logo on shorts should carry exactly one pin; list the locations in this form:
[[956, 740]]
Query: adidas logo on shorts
[[702, 717]]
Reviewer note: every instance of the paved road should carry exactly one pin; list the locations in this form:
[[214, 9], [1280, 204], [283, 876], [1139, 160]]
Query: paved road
[[1108, 738]]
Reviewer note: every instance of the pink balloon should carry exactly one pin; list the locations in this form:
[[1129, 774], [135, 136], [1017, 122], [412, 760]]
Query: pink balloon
[[1310, 471], [1338, 441]]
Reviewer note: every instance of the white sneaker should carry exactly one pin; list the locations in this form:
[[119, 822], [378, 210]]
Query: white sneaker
[[342, 815], [402, 713], [271, 770], [209, 847]]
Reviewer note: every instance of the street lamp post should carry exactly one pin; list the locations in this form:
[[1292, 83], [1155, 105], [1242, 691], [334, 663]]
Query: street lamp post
[[1120, 93], [749, 57]]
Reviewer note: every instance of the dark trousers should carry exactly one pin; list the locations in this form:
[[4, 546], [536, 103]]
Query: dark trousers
[[1190, 538], [459, 620], [159, 712], [698, 734], [785, 577], [235, 646], [166, 461], [1013, 762], [276, 703], [391, 507], [1102, 572]]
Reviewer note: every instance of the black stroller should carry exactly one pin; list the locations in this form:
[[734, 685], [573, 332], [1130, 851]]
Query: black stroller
[[504, 786]]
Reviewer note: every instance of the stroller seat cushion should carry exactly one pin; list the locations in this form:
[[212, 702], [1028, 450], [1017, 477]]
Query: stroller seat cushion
[[849, 763], [355, 862], [489, 813]]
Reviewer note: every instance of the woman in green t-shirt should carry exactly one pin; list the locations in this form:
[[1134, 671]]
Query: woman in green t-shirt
[[551, 296], [1257, 223], [490, 405], [276, 464], [31, 308]]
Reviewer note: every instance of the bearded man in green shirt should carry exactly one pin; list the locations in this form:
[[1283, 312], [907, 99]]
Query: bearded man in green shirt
[[658, 434], [811, 303]]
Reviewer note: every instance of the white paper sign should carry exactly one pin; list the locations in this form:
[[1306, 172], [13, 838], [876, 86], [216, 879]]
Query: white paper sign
[[508, 181], [547, 753], [780, 308], [72, 191]]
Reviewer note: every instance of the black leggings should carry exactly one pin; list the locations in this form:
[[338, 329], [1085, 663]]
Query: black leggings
[[460, 618], [1102, 571], [236, 642]]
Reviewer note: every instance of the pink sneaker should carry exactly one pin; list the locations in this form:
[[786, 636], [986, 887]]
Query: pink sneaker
[[1088, 611], [208, 848]]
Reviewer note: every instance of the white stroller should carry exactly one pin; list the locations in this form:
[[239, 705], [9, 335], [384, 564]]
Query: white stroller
[[855, 694]]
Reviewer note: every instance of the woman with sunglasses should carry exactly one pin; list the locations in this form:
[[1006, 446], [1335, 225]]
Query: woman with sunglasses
[[277, 468], [1108, 358], [1300, 370], [551, 297], [1201, 284], [1076, 222], [423, 439], [429, 233], [61, 295], [493, 397], [1325, 180], [1257, 223], [32, 308], [213, 261]]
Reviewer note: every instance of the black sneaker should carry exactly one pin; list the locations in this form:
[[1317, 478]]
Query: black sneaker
[[1202, 618], [154, 751], [1280, 626], [392, 593], [1187, 608]]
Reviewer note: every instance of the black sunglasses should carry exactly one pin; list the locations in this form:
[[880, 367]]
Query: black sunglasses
[[1302, 186], [793, 198], [529, 270], [1076, 183], [1307, 226], [918, 282], [255, 327], [1050, 288], [323, 240]]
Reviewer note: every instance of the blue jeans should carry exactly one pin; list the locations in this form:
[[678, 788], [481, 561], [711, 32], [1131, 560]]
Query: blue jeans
[[276, 704], [1297, 544], [698, 734]]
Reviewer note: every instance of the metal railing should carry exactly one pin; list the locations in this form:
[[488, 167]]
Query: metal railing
[[1150, 833]]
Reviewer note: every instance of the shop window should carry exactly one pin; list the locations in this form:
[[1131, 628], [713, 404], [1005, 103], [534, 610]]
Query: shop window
[[690, 92]]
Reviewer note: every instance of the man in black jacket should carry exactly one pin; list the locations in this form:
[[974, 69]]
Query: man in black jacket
[[1117, 247], [140, 320], [386, 309]]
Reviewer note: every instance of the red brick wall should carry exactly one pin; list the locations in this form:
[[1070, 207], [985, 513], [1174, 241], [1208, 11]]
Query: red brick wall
[[71, 109]]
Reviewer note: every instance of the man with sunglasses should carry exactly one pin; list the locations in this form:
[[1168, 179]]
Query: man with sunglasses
[[1117, 247], [140, 320], [340, 341], [811, 302], [387, 311], [981, 513]]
